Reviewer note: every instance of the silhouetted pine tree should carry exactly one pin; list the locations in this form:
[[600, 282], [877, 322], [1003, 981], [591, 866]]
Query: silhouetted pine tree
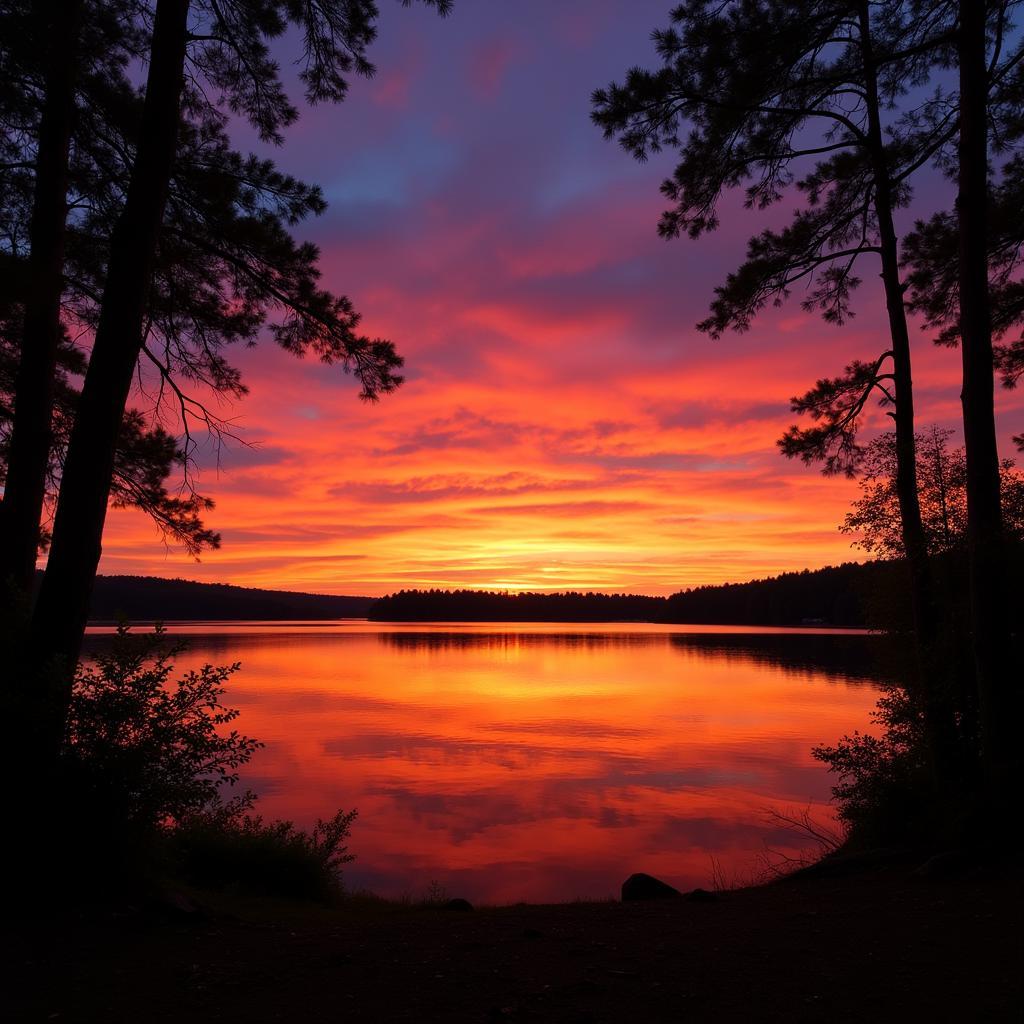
[[40, 52], [184, 246], [998, 683], [982, 301], [810, 96], [146, 455], [931, 258]]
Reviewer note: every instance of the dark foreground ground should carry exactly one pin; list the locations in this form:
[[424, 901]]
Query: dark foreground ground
[[884, 945]]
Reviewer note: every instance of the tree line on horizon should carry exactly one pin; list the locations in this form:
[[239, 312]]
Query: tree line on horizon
[[831, 596], [153, 599], [834, 595], [873, 594], [842, 596]]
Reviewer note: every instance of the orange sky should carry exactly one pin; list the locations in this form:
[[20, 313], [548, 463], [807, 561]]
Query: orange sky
[[563, 424]]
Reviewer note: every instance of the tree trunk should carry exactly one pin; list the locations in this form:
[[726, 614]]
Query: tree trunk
[[58, 622], [998, 685], [25, 487], [933, 686]]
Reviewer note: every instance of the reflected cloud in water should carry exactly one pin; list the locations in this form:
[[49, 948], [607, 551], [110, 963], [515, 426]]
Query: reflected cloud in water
[[541, 762]]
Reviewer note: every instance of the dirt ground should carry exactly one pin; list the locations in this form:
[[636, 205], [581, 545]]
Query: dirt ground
[[886, 945]]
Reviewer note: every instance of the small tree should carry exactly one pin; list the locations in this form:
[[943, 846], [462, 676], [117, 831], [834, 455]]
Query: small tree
[[942, 486], [221, 847], [881, 791]]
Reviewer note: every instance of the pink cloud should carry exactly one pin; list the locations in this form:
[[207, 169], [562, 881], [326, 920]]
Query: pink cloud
[[489, 64], [563, 423]]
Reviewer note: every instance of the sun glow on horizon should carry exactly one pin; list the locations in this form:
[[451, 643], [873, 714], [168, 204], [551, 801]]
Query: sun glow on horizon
[[563, 425]]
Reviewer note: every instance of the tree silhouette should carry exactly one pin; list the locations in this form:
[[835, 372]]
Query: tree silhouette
[[807, 96], [227, 267], [930, 254], [145, 458], [54, 29], [185, 246], [964, 279], [990, 628], [942, 478]]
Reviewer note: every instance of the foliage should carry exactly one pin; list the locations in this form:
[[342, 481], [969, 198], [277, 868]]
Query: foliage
[[147, 758], [930, 251], [821, 101], [751, 94], [885, 790], [883, 781], [836, 105], [143, 748], [147, 455], [833, 594], [220, 848], [227, 271], [836, 405], [942, 490]]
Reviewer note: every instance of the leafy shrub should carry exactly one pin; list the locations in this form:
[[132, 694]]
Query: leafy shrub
[[886, 794], [145, 761], [942, 492], [883, 780], [224, 849], [143, 749]]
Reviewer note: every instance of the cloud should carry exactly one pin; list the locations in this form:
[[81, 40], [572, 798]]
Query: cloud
[[563, 423], [490, 62]]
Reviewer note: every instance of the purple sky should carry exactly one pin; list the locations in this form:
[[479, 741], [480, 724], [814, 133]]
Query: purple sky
[[563, 424]]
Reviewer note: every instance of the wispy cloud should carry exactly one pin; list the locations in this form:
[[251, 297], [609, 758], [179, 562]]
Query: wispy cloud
[[563, 423]]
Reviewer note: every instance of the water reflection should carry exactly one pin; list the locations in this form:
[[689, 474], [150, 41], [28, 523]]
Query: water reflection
[[541, 762], [852, 658]]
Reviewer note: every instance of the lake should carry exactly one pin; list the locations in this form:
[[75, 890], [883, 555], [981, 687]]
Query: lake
[[508, 762]]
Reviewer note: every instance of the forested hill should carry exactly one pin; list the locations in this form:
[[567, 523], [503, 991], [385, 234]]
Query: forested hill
[[150, 598], [832, 596]]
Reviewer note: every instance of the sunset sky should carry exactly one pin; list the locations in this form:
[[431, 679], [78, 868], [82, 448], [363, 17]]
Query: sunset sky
[[563, 425]]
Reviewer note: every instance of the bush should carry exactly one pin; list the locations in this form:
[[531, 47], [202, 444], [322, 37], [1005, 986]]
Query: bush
[[143, 768], [882, 781], [143, 750], [240, 851], [885, 793]]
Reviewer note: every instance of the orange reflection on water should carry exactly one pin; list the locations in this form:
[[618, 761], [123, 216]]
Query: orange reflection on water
[[522, 762]]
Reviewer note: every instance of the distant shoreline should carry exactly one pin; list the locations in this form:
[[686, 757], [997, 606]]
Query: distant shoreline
[[155, 599], [440, 625], [832, 597]]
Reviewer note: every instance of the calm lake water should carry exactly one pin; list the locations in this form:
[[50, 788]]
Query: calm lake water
[[546, 761]]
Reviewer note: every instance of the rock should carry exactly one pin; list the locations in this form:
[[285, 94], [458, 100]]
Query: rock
[[175, 905], [457, 904], [944, 865], [647, 887], [701, 896]]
